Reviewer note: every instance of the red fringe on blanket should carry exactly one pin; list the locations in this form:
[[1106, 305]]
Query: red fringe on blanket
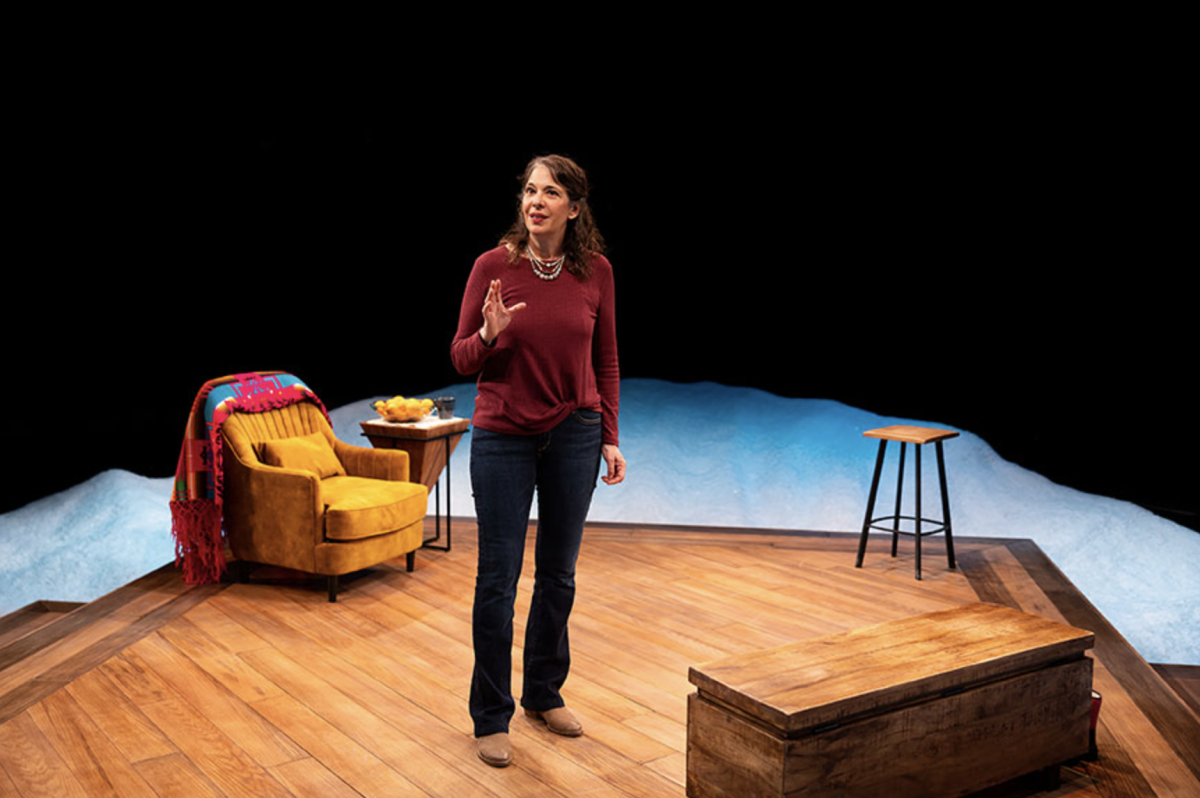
[[199, 550]]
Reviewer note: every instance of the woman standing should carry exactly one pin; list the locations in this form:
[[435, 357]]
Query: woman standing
[[537, 324]]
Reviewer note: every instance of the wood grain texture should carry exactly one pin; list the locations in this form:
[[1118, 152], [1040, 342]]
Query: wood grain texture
[[909, 434], [1185, 681], [428, 452], [812, 683], [937, 704], [30, 618], [270, 689]]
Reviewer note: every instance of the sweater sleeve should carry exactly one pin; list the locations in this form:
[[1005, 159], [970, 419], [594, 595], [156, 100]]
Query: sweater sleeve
[[605, 362], [468, 352]]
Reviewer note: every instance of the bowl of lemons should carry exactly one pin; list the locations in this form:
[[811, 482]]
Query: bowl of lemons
[[398, 408]]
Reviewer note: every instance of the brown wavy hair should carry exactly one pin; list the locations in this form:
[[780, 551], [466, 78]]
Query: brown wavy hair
[[582, 236]]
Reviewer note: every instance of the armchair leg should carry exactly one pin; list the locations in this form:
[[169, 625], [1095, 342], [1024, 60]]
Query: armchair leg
[[410, 561], [333, 589]]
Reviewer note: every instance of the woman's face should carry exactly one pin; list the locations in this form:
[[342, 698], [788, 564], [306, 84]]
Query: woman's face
[[545, 205]]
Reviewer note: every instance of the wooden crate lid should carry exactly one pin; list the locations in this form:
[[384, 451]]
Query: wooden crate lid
[[867, 671]]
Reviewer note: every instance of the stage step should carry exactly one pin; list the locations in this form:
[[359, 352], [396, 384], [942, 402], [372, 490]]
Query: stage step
[[1185, 681], [43, 654], [31, 617]]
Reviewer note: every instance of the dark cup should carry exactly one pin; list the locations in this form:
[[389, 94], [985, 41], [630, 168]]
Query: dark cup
[[1093, 752], [445, 406]]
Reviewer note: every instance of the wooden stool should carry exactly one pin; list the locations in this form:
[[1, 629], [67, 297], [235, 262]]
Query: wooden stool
[[906, 435]]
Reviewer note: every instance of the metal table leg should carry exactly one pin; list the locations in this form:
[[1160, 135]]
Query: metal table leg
[[437, 508]]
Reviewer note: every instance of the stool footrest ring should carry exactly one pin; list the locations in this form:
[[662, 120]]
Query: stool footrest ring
[[937, 527]]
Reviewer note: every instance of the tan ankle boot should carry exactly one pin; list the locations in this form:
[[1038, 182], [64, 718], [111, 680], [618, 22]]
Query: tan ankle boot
[[495, 749], [560, 721]]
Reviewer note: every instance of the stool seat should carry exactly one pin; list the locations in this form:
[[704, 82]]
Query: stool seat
[[905, 434]]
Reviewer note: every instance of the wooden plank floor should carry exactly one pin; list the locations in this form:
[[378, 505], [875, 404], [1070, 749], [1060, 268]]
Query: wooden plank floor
[[266, 689]]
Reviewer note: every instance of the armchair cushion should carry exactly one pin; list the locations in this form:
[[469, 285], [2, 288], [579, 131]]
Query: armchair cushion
[[357, 507], [305, 452]]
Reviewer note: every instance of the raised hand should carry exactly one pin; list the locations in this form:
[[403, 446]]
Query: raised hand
[[495, 315]]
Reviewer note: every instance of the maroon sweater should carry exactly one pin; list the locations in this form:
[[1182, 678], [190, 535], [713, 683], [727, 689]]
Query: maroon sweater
[[558, 355]]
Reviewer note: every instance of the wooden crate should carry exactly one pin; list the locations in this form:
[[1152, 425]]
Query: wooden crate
[[939, 704]]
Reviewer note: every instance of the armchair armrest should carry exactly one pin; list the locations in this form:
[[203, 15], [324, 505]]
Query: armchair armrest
[[359, 461], [272, 514], [287, 491]]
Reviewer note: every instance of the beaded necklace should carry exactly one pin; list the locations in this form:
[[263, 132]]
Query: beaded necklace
[[547, 270]]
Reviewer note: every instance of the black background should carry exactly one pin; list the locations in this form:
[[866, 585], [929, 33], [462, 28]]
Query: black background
[[998, 261]]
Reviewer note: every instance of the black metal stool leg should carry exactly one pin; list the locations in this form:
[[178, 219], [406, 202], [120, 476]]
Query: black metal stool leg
[[945, 504], [862, 542], [899, 495], [918, 531]]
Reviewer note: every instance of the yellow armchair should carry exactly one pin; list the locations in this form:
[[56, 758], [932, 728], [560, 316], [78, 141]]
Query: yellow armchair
[[297, 497]]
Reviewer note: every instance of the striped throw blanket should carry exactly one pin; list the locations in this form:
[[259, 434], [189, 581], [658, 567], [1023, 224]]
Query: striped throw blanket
[[196, 498]]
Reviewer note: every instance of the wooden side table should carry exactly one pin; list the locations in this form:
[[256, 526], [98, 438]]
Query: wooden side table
[[429, 444], [919, 436]]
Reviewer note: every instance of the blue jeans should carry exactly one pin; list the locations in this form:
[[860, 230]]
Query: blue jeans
[[505, 470]]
